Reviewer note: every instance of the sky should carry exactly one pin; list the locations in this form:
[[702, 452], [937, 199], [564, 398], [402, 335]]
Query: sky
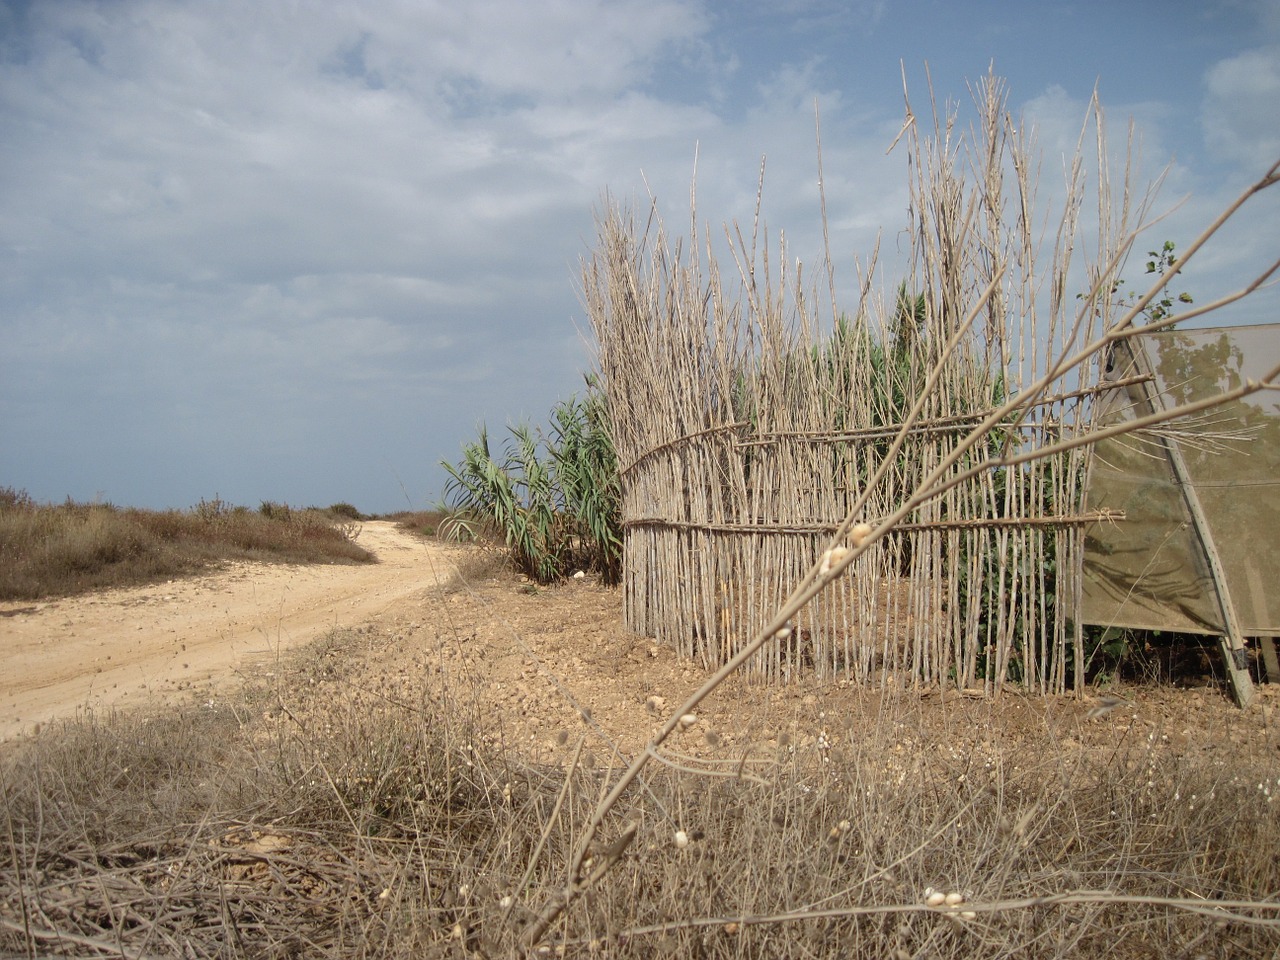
[[299, 251]]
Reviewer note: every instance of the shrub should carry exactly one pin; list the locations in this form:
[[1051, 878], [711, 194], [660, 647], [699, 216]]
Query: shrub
[[552, 501], [276, 511]]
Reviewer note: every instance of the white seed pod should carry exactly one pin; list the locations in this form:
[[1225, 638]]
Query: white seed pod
[[858, 535], [682, 839], [506, 901], [832, 558], [954, 898], [934, 898], [688, 720], [968, 915]]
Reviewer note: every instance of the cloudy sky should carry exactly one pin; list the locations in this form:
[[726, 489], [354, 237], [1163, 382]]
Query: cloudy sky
[[299, 250]]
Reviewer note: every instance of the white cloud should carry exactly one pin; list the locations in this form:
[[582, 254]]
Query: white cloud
[[374, 210], [1241, 112], [811, 15]]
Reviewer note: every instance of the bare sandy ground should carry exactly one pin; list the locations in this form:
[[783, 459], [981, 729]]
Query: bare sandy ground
[[121, 647]]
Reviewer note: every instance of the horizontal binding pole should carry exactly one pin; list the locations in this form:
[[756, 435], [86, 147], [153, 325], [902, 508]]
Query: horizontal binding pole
[[804, 529], [953, 424]]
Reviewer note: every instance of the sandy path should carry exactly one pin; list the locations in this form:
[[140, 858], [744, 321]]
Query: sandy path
[[120, 647]]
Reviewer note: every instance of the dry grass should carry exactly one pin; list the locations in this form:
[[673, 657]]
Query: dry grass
[[425, 523], [51, 550], [307, 819]]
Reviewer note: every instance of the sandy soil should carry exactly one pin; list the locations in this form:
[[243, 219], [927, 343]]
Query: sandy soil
[[543, 664], [120, 647]]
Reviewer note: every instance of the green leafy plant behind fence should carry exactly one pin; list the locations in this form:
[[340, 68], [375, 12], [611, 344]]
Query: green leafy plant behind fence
[[551, 499]]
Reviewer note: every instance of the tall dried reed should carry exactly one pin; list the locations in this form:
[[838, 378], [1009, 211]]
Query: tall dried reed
[[749, 430]]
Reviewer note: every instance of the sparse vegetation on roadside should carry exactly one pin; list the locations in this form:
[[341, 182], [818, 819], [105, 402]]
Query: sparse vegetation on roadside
[[424, 523], [308, 818], [53, 550], [486, 559], [346, 510]]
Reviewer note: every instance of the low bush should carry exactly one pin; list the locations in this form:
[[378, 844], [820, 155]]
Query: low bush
[[69, 548], [425, 523], [346, 511]]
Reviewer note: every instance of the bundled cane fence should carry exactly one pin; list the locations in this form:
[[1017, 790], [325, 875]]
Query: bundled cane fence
[[748, 421]]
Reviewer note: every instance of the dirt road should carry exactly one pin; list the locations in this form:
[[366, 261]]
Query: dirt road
[[120, 647]]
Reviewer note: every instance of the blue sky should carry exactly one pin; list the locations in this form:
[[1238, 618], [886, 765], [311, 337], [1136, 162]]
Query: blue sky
[[299, 251]]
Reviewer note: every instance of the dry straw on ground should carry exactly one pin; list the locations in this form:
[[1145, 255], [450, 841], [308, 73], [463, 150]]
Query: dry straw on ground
[[309, 818]]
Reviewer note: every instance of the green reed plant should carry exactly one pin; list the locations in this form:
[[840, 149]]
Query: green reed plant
[[551, 499], [587, 470]]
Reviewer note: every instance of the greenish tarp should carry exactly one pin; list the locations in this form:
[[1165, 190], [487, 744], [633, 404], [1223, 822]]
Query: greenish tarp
[[1149, 570]]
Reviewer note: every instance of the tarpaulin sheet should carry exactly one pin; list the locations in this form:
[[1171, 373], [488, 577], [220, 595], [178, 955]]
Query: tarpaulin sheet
[[1149, 571]]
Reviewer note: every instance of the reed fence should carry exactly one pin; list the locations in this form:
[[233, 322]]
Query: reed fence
[[748, 421]]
